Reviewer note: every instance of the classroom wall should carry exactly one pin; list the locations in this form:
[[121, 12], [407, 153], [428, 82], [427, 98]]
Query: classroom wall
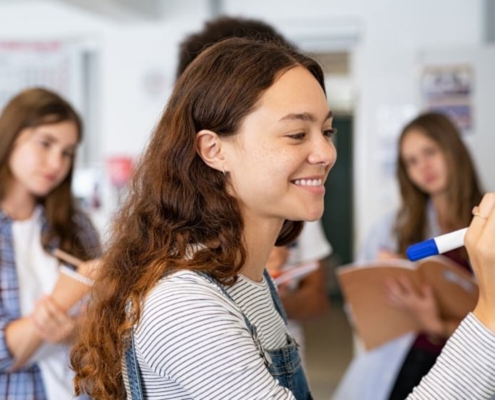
[[385, 36]]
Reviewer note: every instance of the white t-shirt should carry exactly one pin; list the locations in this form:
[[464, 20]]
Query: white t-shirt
[[37, 273]]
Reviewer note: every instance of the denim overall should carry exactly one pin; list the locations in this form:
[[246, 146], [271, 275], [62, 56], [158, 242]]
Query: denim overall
[[284, 364]]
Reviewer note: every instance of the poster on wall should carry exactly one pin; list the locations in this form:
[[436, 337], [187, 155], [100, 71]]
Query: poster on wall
[[53, 65], [448, 89]]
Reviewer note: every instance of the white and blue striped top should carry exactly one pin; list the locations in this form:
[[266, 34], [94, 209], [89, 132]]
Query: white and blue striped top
[[192, 343]]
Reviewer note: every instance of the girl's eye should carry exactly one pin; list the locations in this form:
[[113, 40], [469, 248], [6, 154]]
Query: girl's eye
[[430, 151], [68, 154], [298, 136], [330, 133], [45, 144], [410, 162]]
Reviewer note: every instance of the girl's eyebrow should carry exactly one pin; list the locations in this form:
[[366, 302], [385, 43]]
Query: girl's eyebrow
[[47, 133], [305, 117]]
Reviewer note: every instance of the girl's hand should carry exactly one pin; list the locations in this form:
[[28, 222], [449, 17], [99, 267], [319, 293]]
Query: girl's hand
[[51, 323], [422, 305], [284, 290], [480, 244]]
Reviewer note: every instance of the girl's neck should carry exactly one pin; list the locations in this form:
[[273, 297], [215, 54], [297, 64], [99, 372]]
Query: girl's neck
[[260, 237], [441, 207], [18, 204]]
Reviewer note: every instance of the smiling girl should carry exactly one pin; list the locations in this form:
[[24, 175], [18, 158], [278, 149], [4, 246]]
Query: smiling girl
[[39, 134], [184, 308]]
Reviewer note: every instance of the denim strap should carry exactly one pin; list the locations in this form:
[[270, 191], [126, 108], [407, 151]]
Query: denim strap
[[209, 278], [133, 371], [275, 296]]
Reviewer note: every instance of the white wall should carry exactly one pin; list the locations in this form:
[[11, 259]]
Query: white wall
[[386, 37], [34, 20]]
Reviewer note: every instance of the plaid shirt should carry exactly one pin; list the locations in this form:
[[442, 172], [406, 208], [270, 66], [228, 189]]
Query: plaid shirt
[[26, 383]]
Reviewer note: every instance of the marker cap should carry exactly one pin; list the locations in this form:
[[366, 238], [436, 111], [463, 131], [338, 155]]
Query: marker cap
[[422, 250]]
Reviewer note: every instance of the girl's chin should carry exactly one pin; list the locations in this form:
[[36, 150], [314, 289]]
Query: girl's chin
[[434, 190], [312, 216], [41, 192]]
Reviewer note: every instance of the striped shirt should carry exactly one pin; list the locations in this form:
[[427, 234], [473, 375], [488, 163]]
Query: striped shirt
[[192, 343], [466, 367]]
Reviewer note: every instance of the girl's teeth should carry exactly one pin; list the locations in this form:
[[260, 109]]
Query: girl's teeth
[[308, 182]]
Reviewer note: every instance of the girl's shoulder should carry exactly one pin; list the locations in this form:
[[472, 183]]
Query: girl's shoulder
[[185, 296], [187, 286], [184, 277]]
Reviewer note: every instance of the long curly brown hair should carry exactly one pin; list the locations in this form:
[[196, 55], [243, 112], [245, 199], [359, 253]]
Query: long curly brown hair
[[29, 109], [176, 201], [464, 190]]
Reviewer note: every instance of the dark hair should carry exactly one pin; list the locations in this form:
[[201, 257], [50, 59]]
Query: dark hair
[[177, 202], [463, 190], [222, 28], [29, 109]]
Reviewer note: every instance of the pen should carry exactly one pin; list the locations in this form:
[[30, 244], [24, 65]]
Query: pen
[[66, 257], [438, 245]]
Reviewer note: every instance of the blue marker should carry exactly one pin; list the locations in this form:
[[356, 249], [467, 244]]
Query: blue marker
[[440, 244]]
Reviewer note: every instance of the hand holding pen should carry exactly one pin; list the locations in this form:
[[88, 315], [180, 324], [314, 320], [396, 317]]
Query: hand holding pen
[[479, 239], [440, 244], [480, 244]]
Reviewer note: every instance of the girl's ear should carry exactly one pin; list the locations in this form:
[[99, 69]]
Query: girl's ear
[[209, 148]]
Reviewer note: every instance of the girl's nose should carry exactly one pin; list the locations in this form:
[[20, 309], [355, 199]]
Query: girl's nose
[[323, 153], [56, 161], [423, 163]]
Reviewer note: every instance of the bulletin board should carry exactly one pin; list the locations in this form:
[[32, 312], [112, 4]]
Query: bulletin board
[[53, 65], [449, 89]]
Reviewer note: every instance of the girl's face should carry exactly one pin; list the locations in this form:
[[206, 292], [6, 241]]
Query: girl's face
[[42, 157], [425, 162], [280, 158]]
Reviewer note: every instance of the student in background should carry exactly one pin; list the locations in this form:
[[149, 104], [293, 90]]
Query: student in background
[[302, 298], [39, 134], [439, 187]]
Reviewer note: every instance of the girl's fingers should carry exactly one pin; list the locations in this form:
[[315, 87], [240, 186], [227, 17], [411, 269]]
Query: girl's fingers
[[48, 315], [56, 314], [406, 285], [391, 285], [482, 215], [393, 299], [480, 244], [394, 293], [427, 291]]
